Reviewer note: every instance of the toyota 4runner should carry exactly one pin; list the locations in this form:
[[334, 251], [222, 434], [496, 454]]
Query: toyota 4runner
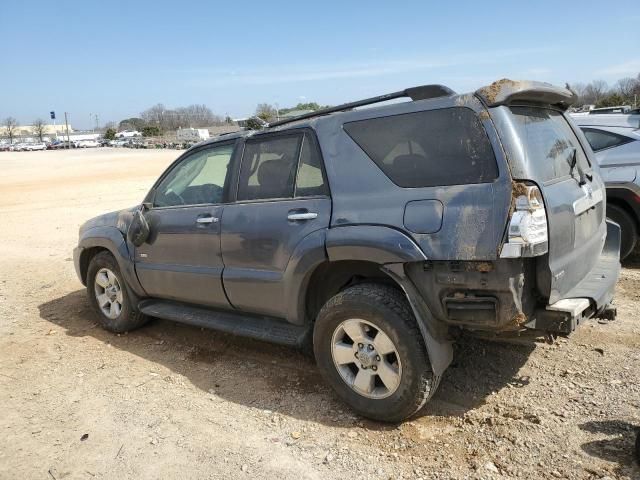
[[371, 234]]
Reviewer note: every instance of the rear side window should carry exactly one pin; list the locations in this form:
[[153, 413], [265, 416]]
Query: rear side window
[[311, 180], [599, 139], [426, 149], [269, 167]]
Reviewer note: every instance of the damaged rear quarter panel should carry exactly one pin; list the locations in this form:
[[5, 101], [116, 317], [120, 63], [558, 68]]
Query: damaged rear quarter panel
[[474, 217]]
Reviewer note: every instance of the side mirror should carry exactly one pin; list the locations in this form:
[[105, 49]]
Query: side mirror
[[139, 228]]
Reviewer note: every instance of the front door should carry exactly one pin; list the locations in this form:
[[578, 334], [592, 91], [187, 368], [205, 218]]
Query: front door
[[282, 197], [181, 259]]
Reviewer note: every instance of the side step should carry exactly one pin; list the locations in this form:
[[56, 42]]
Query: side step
[[260, 328]]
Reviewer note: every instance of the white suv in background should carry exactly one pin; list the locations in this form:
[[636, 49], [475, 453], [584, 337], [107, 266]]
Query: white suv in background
[[30, 147], [89, 143]]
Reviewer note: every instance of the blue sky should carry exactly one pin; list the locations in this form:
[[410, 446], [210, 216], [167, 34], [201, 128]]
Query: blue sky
[[117, 58]]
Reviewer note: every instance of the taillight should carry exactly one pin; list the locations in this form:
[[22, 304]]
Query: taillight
[[528, 234]]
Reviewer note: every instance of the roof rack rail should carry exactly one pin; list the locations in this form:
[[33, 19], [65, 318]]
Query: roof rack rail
[[422, 92]]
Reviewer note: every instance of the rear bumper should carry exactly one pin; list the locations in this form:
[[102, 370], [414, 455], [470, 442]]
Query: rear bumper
[[590, 297]]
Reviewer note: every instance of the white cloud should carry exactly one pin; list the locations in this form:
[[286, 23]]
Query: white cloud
[[631, 67], [304, 73]]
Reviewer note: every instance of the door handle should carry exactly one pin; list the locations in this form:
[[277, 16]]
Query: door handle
[[202, 220], [302, 216]]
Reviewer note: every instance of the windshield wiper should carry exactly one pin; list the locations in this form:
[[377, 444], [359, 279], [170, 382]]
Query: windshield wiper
[[573, 163]]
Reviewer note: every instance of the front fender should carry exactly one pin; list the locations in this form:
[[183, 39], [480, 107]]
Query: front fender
[[371, 243], [111, 239]]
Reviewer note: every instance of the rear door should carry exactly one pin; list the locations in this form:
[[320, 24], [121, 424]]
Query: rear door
[[181, 259], [282, 197], [573, 192]]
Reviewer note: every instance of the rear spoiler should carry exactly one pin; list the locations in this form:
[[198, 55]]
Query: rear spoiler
[[508, 92]]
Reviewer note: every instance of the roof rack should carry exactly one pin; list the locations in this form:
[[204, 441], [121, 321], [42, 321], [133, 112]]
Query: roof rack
[[422, 92]]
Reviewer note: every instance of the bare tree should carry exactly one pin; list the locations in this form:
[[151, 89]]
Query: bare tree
[[109, 125], [579, 88], [39, 127], [266, 112], [10, 125], [171, 119], [626, 87], [595, 90]]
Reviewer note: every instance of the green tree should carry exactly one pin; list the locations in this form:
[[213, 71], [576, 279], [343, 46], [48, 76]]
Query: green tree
[[611, 100], [266, 112], [254, 124], [133, 123], [152, 131], [110, 134]]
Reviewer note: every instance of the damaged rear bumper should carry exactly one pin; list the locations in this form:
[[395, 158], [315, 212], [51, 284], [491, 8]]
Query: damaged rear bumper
[[589, 298]]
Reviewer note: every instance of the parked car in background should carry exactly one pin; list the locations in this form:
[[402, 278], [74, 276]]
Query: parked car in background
[[128, 134], [371, 236], [5, 147], [31, 147], [615, 139], [610, 110], [86, 143], [59, 144], [18, 147]]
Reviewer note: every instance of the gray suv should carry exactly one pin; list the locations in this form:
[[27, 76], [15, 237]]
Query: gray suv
[[371, 235]]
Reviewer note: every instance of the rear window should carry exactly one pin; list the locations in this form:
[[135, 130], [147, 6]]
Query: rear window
[[548, 142], [426, 149], [599, 139]]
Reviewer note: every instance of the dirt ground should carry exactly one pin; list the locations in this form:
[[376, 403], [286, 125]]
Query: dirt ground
[[172, 401]]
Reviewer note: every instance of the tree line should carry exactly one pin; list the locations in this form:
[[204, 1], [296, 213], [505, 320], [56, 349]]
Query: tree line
[[159, 119], [625, 91]]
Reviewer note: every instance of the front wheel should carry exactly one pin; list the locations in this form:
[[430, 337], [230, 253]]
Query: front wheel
[[370, 350], [109, 297]]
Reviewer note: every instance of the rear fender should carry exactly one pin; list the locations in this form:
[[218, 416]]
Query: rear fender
[[371, 243], [435, 333]]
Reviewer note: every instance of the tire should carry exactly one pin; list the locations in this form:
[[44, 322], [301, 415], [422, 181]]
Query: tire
[[123, 318], [384, 309], [628, 229]]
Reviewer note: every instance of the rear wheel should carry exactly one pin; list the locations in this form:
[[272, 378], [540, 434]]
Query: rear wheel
[[370, 350], [628, 229], [109, 297]]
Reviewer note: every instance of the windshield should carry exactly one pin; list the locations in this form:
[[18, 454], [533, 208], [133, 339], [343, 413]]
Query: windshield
[[550, 146]]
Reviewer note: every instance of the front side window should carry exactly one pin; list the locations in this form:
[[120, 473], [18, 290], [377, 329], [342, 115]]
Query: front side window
[[269, 167], [198, 179], [431, 148], [600, 139]]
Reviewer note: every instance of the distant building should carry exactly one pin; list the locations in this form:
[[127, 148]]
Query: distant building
[[30, 130], [27, 133], [192, 134]]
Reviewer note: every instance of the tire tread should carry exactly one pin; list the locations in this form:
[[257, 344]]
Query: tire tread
[[395, 300]]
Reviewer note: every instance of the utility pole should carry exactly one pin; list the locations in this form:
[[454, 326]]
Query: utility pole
[[66, 124]]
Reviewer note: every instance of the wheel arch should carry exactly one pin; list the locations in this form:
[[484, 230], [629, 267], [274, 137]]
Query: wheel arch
[[327, 260], [109, 239], [626, 199]]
